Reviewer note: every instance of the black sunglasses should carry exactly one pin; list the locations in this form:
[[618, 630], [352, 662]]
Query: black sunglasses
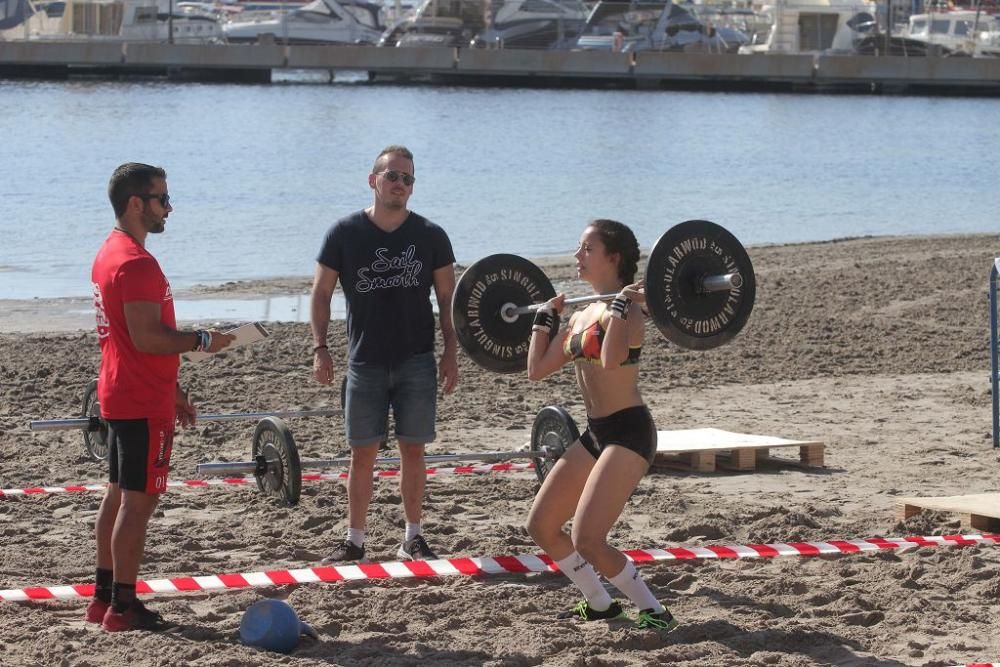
[[394, 176], [164, 199]]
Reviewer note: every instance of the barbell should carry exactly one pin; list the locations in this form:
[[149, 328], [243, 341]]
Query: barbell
[[700, 290], [95, 428], [277, 466]]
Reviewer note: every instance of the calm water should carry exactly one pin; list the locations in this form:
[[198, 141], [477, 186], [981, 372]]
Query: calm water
[[257, 173]]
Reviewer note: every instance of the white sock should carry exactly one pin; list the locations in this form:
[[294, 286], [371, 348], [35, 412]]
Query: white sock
[[412, 530], [635, 589], [356, 536], [582, 573]]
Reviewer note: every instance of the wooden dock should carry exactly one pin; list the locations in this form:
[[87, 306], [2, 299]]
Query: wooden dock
[[707, 449], [256, 62], [979, 511]]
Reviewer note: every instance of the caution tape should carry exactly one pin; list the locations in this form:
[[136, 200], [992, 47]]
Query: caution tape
[[498, 565], [242, 481]]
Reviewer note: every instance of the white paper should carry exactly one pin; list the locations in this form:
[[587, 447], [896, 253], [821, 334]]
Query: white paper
[[251, 332]]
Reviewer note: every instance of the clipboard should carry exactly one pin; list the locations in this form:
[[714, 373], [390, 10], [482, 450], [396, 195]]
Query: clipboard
[[251, 332]]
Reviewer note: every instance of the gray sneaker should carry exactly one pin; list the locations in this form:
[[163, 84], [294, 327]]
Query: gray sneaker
[[346, 551], [416, 549]]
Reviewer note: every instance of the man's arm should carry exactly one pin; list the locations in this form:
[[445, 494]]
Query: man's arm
[[152, 336], [444, 289], [324, 283]]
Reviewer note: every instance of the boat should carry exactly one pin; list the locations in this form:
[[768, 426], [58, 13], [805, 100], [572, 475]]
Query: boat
[[446, 23], [625, 26], [118, 20], [957, 32], [319, 22], [815, 26], [532, 24]]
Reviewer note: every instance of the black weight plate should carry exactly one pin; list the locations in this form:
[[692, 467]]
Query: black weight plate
[[273, 440], [687, 316], [553, 431], [481, 292], [94, 442]]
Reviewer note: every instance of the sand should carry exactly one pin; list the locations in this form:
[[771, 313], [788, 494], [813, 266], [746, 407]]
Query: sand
[[876, 346]]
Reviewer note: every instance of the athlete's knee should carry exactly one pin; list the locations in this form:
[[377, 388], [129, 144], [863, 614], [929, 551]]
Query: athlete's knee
[[588, 543]]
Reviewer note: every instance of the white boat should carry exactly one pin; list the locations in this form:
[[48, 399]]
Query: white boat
[[962, 32], [118, 20], [446, 23], [532, 24], [319, 22], [653, 25], [815, 26]]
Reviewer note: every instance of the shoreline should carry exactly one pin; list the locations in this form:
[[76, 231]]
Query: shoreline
[[73, 314]]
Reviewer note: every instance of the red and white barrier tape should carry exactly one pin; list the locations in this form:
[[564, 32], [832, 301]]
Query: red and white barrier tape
[[497, 565], [309, 477]]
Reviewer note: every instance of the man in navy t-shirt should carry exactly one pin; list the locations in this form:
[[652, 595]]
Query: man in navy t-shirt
[[387, 258]]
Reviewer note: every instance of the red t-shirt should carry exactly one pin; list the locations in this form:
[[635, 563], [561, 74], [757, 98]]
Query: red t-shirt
[[131, 384]]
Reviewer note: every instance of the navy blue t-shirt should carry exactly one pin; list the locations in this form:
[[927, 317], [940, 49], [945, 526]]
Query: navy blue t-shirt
[[387, 279]]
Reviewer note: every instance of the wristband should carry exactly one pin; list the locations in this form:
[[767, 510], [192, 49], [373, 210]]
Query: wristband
[[204, 341], [619, 307], [320, 347], [543, 320]]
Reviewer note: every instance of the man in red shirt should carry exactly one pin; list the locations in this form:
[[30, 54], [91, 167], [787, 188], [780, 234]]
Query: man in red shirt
[[137, 388]]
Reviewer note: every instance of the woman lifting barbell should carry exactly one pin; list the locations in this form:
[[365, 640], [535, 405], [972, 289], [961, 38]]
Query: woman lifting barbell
[[593, 480]]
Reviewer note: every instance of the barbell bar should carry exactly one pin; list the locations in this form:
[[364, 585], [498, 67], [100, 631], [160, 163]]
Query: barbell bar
[[706, 284], [277, 466], [699, 286], [95, 429], [97, 423]]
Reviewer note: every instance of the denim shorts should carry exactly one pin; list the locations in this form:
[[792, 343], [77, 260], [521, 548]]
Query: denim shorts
[[409, 389]]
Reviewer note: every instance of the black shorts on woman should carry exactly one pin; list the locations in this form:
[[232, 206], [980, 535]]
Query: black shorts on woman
[[632, 428]]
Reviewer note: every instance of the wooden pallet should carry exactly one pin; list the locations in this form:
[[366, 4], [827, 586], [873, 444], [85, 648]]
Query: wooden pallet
[[979, 511], [707, 449]]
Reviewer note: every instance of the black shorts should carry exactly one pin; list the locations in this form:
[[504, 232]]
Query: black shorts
[[632, 428], [139, 453]]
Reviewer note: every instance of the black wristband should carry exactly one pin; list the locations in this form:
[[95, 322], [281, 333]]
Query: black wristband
[[543, 320], [320, 347], [619, 307]]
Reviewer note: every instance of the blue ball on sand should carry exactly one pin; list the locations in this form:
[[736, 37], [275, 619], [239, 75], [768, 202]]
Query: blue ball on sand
[[274, 626]]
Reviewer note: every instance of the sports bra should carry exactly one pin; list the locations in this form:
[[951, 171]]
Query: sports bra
[[586, 346]]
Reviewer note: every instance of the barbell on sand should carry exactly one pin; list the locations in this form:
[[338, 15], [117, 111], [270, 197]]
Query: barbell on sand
[[700, 290], [95, 428], [277, 465]]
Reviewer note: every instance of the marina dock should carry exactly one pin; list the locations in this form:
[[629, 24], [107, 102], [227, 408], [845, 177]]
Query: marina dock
[[645, 70]]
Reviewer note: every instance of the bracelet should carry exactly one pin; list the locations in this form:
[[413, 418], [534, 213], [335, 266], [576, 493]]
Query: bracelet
[[320, 347], [203, 341], [619, 307]]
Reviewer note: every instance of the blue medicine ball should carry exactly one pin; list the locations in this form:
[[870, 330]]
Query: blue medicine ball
[[272, 625]]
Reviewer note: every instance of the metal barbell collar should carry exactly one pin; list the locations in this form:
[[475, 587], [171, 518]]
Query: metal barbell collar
[[94, 423], [722, 283]]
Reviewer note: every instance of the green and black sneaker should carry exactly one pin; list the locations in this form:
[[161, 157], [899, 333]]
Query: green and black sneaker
[[663, 621], [584, 611]]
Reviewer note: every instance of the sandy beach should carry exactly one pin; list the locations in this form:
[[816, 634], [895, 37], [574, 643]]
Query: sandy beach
[[877, 347]]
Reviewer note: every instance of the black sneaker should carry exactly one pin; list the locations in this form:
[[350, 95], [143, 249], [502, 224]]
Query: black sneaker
[[664, 621], [416, 549], [584, 611], [347, 551]]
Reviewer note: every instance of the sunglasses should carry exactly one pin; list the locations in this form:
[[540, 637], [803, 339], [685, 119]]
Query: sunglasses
[[394, 176], [164, 199]]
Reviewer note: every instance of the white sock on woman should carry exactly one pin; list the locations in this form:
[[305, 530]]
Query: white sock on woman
[[582, 573], [412, 530], [356, 536], [635, 589]]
